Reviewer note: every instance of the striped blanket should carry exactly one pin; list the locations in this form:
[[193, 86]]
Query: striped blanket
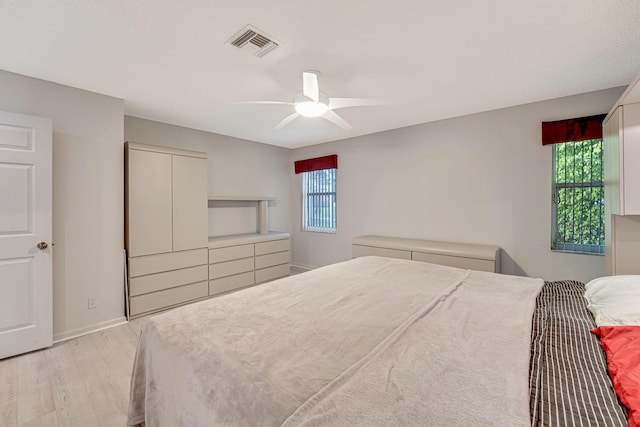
[[568, 382]]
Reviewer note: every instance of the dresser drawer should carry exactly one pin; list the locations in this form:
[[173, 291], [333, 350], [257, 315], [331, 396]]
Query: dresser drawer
[[271, 273], [140, 266], [230, 253], [272, 246], [167, 298], [229, 283], [156, 282], [358, 251], [229, 268], [263, 261]]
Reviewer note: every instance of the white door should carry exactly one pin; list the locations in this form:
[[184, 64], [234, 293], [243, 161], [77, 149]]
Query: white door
[[26, 320]]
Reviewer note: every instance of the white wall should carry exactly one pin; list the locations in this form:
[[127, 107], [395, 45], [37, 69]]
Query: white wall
[[88, 198], [482, 178], [236, 168]]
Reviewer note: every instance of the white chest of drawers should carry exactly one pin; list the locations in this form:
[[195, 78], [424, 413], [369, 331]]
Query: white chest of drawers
[[247, 259], [461, 255]]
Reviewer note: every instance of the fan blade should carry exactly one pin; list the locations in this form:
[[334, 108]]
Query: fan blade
[[335, 103], [334, 118], [310, 87], [286, 121]]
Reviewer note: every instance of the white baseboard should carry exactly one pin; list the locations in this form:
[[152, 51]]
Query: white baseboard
[[64, 336]]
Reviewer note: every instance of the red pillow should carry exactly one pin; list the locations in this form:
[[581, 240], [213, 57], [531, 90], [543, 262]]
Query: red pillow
[[622, 346]]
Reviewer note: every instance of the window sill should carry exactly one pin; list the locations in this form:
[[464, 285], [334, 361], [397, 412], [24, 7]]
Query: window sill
[[575, 252], [320, 230]]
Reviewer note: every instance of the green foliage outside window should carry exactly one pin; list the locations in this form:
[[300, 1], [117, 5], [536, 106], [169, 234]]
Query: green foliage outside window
[[578, 195]]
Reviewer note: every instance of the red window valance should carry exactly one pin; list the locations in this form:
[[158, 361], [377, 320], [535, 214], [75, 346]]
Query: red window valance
[[319, 163], [572, 130]]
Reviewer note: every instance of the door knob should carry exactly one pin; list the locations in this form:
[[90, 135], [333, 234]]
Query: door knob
[[42, 246]]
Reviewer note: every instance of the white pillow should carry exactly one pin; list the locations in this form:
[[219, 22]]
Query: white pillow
[[614, 300]]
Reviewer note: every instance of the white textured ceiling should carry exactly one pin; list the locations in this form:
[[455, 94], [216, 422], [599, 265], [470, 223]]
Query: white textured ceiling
[[432, 59]]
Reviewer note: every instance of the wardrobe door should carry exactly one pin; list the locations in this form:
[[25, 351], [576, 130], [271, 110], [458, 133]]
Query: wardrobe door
[[631, 169], [190, 217], [149, 203]]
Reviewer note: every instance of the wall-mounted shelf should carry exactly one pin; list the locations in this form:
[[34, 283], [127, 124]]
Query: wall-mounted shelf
[[263, 207]]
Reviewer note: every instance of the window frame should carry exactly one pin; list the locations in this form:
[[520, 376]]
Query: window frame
[[565, 247], [305, 195]]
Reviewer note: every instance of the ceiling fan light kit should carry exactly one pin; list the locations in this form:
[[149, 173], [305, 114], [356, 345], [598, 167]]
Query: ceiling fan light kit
[[307, 106], [311, 108]]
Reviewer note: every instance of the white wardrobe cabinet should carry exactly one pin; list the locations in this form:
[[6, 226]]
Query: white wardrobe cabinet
[[621, 130], [622, 159], [166, 227]]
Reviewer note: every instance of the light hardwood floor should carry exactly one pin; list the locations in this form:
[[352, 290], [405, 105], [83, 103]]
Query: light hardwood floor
[[80, 382]]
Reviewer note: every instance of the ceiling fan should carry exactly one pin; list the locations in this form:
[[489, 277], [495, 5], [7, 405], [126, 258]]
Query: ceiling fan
[[312, 102]]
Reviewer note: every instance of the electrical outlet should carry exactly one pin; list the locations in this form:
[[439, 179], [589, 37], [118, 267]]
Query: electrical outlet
[[92, 303]]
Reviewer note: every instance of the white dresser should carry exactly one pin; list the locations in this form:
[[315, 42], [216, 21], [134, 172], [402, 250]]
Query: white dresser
[[461, 255], [246, 259], [171, 260], [166, 227]]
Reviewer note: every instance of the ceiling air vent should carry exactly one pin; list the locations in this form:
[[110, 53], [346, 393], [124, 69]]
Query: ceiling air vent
[[254, 41]]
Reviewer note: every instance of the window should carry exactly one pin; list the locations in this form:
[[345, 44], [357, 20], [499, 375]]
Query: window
[[578, 197], [318, 193], [319, 200], [577, 185]]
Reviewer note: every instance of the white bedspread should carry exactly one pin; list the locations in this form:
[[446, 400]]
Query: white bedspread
[[371, 341]]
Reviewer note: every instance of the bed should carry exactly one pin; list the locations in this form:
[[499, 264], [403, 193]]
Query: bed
[[376, 341]]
